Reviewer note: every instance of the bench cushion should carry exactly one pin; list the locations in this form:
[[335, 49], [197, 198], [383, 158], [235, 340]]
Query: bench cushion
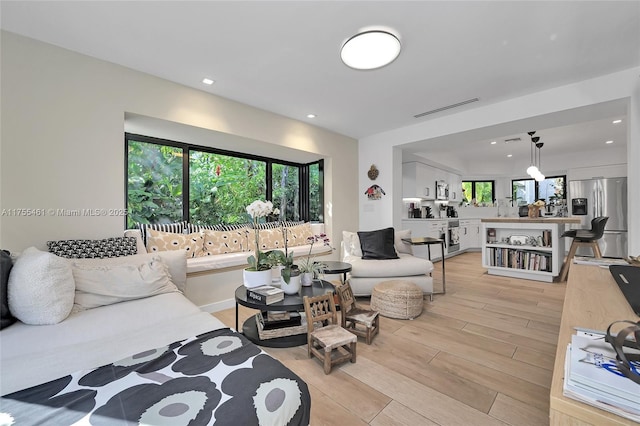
[[406, 265]]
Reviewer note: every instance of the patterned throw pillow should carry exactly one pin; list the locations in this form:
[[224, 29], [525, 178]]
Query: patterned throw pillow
[[298, 235], [193, 243], [218, 242], [177, 227], [270, 239], [107, 247]]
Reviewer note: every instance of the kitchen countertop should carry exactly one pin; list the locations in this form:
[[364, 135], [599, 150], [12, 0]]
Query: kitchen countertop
[[548, 219]]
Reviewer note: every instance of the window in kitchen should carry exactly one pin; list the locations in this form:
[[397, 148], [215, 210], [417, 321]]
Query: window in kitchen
[[526, 191], [483, 191], [171, 181]]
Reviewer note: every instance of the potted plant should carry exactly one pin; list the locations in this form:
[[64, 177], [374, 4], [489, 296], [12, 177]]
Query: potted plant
[[259, 270], [310, 268]]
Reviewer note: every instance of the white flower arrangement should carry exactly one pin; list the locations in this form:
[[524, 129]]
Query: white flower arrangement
[[259, 209]]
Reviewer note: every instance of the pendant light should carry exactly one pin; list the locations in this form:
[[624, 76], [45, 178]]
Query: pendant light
[[534, 169]]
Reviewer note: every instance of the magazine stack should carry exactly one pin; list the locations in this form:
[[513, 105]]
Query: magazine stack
[[591, 376]]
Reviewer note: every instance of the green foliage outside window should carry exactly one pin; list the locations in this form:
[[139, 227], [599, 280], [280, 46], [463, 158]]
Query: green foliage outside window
[[154, 183], [220, 186], [285, 188], [482, 191]]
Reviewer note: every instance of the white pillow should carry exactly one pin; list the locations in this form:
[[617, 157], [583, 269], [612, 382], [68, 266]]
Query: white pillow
[[40, 288], [401, 246], [176, 260], [351, 243], [108, 284]]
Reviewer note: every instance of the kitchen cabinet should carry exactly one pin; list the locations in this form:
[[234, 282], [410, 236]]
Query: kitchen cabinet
[[469, 234], [455, 187], [427, 228], [418, 181], [437, 229]]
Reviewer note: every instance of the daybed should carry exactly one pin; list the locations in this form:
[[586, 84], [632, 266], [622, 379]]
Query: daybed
[[177, 365], [397, 261]]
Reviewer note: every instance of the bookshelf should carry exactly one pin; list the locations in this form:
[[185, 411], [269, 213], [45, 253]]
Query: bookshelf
[[524, 248]]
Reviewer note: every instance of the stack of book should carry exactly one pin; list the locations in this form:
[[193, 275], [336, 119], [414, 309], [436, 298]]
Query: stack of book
[[282, 324], [265, 294], [591, 377]]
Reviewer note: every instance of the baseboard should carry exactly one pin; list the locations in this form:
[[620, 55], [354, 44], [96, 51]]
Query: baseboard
[[218, 306]]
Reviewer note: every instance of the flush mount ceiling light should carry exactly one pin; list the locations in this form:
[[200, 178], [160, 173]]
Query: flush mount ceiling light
[[208, 81], [369, 50]]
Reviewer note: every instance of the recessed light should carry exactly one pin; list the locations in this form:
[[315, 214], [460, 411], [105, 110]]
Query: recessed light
[[369, 50], [311, 116], [493, 142], [609, 142], [617, 121], [208, 81], [509, 155]]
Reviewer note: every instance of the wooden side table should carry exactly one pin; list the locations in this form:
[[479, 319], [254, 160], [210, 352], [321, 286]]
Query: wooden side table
[[428, 241]]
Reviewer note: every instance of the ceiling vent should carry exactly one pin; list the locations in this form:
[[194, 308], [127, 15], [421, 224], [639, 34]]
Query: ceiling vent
[[512, 140], [433, 111]]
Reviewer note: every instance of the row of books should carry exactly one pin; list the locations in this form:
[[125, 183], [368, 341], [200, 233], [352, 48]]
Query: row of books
[[519, 259], [591, 377], [266, 294]]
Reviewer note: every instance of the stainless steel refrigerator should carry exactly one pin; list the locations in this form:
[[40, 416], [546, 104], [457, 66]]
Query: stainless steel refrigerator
[[602, 197]]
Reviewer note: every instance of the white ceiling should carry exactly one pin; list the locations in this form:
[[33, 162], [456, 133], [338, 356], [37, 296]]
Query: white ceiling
[[284, 56]]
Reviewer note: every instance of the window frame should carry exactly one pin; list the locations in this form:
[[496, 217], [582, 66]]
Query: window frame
[[303, 172], [473, 187], [537, 187]]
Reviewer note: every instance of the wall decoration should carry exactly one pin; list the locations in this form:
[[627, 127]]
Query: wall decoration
[[373, 172], [374, 192]]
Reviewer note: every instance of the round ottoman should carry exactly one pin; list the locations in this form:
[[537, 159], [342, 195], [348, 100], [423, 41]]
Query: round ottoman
[[397, 299]]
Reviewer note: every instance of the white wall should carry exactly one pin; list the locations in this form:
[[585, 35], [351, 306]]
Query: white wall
[[377, 148], [63, 141]]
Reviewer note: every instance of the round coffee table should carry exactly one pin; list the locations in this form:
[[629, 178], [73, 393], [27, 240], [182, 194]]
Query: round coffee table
[[291, 303]]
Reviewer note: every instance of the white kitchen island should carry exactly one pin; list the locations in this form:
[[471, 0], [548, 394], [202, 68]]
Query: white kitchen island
[[529, 248]]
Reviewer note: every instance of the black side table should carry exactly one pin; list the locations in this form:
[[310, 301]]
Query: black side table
[[291, 303], [334, 267], [420, 241]]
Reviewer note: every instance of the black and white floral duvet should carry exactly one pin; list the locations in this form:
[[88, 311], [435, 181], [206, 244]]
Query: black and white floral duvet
[[218, 377]]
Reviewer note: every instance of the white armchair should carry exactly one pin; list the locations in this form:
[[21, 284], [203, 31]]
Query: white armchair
[[366, 273]]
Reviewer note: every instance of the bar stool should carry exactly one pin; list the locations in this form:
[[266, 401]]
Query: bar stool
[[584, 238]]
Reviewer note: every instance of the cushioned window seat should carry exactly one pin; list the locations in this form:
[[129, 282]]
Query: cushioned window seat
[[239, 259]]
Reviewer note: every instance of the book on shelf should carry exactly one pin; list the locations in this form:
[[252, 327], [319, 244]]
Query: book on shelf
[[591, 377], [266, 294]]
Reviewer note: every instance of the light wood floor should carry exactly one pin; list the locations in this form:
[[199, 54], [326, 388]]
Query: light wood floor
[[480, 355]]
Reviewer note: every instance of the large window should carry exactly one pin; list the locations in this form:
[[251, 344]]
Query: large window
[[526, 191], [483, 191], [170, 181]]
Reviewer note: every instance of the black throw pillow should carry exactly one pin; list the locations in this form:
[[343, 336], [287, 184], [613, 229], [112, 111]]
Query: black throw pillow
[[6, 319], [378, 244]]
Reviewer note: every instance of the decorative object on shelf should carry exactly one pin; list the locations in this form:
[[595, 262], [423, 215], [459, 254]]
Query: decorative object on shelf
[[375, 192], [535, 209], [534, 169], [308, 265], [259, 270], [517, 240], [373, 172]]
